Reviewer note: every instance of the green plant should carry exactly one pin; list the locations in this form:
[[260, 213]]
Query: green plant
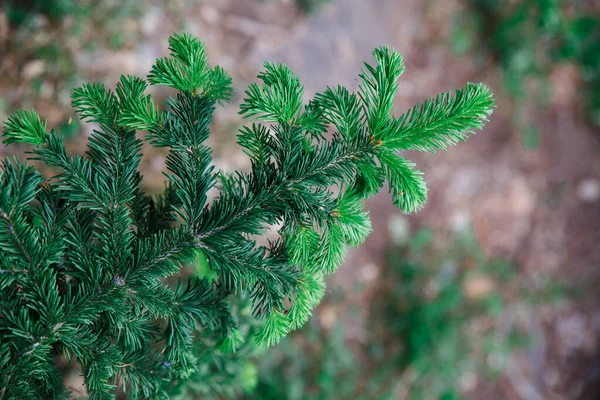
[[92, 266], [528, 38]]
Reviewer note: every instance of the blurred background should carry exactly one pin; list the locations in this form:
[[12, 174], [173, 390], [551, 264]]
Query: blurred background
[[491, 291]]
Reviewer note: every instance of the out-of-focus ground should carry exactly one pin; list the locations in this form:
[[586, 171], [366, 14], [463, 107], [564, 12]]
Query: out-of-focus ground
[[537, 208]]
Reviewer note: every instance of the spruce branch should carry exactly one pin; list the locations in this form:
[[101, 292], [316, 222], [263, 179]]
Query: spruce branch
[[188, 70], [379, 88], [442, 121], [280, 98], [340, 108], [25, 126], [95, 103], [88, 258], [406, 184]]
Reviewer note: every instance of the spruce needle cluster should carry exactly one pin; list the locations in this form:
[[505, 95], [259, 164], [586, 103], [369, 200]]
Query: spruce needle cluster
[[91, 265]]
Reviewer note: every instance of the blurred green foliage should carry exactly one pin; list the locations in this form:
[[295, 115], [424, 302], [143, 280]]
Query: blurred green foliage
[[24, 13], [20, 12], [444, 310], [528, 38], [229, 372], [442, 318], [51, 34], [309, 7], [313, 365], [81, 23]]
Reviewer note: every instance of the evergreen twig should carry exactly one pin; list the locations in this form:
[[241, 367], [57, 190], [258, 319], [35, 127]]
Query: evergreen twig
[[87, 257]]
